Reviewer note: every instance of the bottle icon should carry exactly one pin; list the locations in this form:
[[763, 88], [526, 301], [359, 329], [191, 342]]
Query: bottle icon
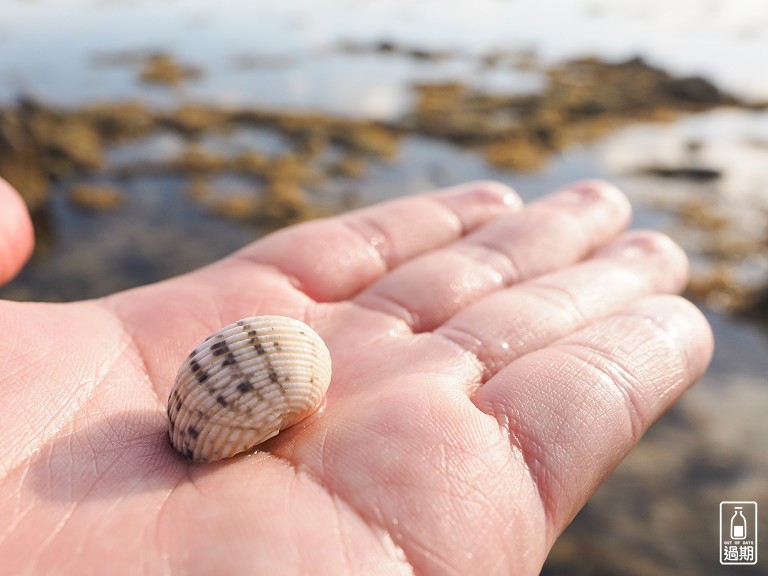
[[738, 524]]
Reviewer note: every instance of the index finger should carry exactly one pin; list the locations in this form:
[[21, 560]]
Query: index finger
[[333, 259]]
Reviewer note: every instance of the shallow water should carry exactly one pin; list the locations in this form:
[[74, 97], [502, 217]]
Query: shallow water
[[658, 513]]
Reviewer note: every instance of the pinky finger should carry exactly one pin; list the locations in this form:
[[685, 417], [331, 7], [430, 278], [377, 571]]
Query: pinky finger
[[575, 409]]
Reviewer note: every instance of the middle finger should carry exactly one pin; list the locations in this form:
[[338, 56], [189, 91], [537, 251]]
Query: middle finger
[[549, 234]]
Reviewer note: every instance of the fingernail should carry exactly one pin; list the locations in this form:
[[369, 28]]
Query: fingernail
[[490, 191], [583, 193], [640, 244]]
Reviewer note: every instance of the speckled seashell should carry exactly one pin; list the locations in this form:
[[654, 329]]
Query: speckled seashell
[[244, 384]]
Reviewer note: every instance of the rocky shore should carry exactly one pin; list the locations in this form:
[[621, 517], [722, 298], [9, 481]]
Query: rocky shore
[[583, 99]]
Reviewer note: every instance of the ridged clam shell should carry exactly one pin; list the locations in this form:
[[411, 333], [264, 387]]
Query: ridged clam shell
[[244, 384]]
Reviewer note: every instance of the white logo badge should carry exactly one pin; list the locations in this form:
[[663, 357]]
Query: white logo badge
[[738, 532]]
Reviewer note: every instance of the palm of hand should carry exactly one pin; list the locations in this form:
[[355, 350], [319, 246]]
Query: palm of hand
[[461, 431]]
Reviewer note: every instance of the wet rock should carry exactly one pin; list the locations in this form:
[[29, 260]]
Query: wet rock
[[195, 119], [367, 138], [289, 168], [391, 47], [713, 187], [39, 144], [239, 205], [118, 121], [350, 166], [694, 173], [516, 153], [163, 69], [583, 100], [23, 172], [695, 90], [70, 144], [251, 162], [197, 160], [285, 203], [97, 197]]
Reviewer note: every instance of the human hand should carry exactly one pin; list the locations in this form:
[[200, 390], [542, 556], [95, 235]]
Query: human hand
[[492, 364]]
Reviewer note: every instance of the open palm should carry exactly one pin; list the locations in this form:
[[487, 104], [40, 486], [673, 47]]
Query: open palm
[[492, 364]]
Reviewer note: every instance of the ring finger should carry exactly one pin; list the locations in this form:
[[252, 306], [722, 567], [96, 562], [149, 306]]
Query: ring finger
[[511, 323]]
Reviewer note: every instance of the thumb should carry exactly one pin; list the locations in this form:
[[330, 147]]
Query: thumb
[[16, 236]]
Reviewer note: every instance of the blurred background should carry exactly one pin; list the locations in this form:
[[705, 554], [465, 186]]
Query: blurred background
[[151, 137]]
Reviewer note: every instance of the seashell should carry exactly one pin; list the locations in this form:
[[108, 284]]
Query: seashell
[[244, 384]]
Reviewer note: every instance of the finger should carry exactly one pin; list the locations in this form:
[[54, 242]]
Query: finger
[[16, 237], [335, 258], [546, 235], [510, 323], [574, 410]]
